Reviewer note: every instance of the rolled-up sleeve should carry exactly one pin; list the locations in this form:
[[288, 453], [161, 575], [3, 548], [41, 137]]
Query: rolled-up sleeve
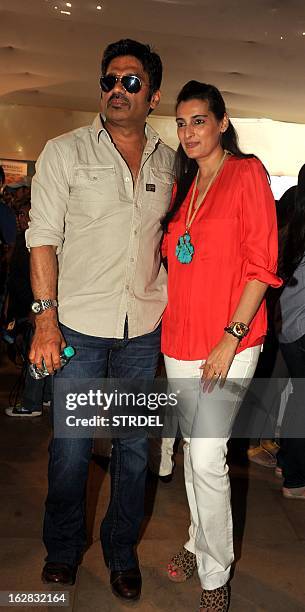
[[49, 197], [260, 237]]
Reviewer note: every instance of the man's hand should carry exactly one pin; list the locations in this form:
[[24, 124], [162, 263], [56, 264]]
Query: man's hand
[[47, 344], [48, 341]]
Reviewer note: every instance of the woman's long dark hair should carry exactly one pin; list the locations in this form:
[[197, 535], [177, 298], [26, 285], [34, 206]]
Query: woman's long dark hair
[[292, 248], [185, 168]]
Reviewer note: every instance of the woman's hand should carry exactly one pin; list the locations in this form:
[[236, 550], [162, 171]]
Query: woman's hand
[[219, 362]]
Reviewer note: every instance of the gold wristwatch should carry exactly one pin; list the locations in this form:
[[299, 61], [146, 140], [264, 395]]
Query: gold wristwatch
[[237, 329]]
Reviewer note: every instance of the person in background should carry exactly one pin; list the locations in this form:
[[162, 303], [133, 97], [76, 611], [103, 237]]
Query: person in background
[[2, 180], [36, 393], [21, 192], [7, 196], [7, 219], [291, 335], [266, 403], [7, 244], [221, 248]]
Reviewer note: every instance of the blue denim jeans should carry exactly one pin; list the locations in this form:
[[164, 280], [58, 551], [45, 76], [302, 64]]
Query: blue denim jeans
[[64, 531]]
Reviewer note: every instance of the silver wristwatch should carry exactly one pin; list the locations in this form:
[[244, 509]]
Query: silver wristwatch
[[39, 306]]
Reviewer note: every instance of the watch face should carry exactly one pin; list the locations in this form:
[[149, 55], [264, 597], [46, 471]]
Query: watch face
[[36, 307], [240, 329], [237, 330]]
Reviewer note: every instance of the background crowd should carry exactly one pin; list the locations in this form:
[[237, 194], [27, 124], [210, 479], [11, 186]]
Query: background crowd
[[16, 296]]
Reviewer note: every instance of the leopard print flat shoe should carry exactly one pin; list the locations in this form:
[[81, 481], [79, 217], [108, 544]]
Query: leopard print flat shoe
[[182, 566], [216, 600]]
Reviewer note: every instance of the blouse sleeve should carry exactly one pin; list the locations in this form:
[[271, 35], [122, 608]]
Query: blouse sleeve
[[164, 244], [259, 235]]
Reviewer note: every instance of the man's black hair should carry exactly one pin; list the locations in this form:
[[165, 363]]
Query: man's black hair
[[150, 60]]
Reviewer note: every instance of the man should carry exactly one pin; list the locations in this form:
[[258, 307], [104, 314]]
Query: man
[[7, 217], [7, 243], [97, 200], [21, 192], [36, 393]]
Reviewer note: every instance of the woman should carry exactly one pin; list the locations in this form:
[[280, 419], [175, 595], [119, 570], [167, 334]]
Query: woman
[[221, 247], [291, 334]]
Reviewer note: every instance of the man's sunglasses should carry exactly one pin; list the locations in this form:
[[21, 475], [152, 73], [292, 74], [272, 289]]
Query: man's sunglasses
[[130, 82]]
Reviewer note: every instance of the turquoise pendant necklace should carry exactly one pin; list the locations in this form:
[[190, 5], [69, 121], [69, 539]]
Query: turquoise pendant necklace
[[185, 250]]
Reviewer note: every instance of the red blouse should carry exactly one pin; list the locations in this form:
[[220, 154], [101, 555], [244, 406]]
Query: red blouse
[[235, 239]]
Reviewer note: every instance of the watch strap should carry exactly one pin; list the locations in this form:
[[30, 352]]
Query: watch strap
[[48, 303], [40, 305]]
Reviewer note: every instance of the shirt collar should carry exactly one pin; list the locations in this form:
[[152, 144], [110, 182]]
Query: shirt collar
[[151, 134]]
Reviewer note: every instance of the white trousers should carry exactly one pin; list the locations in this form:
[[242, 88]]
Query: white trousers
[[206, 421]]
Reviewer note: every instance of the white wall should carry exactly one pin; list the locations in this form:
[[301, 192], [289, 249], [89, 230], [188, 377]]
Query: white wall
[[280, 146], [25, 130]]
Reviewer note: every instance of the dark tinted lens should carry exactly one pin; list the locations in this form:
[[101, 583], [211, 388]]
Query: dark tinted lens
[[131, 83], [108, 82]]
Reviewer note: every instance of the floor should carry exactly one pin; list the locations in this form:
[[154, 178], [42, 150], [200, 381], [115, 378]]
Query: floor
[[269, 531]]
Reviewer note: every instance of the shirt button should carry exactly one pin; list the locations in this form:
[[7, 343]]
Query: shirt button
[[132, 259], [135, 232], [127, 287], [127, 179]]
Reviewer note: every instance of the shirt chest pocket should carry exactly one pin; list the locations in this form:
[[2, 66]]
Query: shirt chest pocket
[[159, 190], [94, 184]]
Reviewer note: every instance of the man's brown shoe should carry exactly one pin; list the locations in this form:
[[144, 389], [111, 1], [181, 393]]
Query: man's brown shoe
[[126, 584], [59, 573]]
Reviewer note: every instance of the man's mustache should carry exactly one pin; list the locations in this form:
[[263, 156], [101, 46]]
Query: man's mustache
[[118, 96]]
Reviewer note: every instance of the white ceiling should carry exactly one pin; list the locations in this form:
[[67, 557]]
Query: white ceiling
[[253, 50]]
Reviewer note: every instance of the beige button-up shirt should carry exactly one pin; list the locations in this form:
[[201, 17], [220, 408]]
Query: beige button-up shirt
[[106, 229]]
